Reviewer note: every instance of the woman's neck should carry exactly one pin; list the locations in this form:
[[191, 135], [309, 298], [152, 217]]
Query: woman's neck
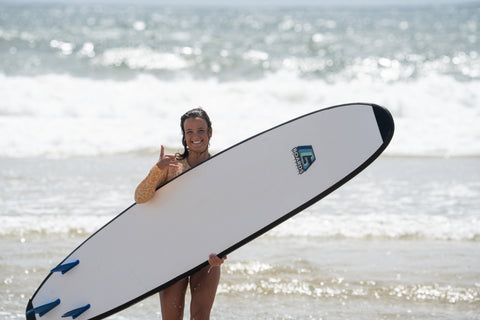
[[195, 158]]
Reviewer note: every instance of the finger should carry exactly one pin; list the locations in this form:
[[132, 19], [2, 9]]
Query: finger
[[170, 159], [162, 152], [213, 263], [212, 259], [216, 261]]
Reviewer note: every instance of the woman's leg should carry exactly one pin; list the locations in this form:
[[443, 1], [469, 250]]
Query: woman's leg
[[203, 287], [172, 300]]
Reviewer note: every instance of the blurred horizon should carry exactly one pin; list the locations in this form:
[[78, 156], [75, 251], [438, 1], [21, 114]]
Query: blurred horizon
[[273, 3]]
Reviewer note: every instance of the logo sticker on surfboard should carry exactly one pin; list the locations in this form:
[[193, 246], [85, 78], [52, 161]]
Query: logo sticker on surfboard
[[304, 157]]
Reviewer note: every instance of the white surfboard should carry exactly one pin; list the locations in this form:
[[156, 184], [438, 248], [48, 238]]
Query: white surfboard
[[218, 206]]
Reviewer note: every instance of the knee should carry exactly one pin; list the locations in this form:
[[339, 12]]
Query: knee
[[200, 315]]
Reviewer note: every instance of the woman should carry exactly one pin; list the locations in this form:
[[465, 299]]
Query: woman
[[197, 131]]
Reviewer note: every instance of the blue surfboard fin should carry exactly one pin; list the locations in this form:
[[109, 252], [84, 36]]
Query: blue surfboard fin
[[64, 268], [76, 312], [44, 308]]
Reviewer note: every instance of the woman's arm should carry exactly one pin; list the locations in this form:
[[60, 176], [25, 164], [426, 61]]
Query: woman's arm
[[146, 189], [157, 176]]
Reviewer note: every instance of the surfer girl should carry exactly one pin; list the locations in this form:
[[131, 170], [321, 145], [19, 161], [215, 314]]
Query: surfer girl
[[197, 131]]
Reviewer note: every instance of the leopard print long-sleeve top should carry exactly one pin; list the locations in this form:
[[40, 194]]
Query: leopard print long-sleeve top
[[157, 177]]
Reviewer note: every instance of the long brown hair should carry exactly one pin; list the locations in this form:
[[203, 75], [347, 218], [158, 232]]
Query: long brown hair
[[194, 113]]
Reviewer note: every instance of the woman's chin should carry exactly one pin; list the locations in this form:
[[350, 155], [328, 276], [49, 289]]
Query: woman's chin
[[202, 149]]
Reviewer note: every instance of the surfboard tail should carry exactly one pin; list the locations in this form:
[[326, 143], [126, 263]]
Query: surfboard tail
[[29, 316]]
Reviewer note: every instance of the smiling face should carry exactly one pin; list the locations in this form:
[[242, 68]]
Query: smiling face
[[197, 134]]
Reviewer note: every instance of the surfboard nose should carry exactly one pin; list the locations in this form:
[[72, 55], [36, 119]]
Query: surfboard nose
[[385, 122]]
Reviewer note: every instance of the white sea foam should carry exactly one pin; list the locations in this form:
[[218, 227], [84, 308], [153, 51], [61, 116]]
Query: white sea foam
[[337, 288], [378, 226], [142, 58], [25, 225], [60, 115], [369, 226]]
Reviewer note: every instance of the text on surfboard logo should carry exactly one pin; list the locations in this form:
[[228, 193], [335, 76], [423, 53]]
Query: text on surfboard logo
[[304, 157]]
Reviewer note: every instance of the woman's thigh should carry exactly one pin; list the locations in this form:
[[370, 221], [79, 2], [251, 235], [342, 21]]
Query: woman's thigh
[[203, 287], [172, 300]]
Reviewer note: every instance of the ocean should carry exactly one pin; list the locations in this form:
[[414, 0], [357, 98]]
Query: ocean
[[88, 93]]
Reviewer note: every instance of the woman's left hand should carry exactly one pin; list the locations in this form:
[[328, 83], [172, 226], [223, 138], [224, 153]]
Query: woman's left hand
[[215, 261]]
